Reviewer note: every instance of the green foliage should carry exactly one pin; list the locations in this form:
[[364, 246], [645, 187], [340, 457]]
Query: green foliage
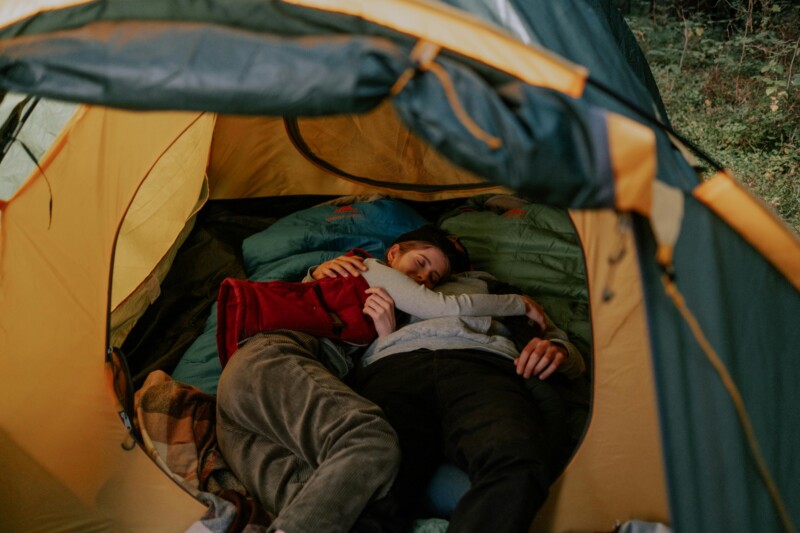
[[732, 85]]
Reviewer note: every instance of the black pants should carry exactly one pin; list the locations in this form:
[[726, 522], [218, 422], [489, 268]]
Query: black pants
[[471, 408]]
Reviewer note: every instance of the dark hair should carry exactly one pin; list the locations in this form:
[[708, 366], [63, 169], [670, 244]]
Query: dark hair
[[455, 252]]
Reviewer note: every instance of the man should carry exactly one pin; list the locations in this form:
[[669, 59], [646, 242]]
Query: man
[[472, 390]]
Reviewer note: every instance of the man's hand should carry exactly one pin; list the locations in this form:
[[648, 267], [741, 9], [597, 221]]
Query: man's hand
[[534, 311], [342, 266], [540, 358], [380, 307]]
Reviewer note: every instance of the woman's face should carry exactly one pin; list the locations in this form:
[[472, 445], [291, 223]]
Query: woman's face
[[427, 265]]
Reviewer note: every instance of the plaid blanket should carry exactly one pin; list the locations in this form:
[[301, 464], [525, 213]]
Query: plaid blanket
[[177, 426]]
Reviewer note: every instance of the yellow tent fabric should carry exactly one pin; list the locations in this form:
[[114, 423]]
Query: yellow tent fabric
[[253, 156], [617, 472], [115, 159], [58, 424]]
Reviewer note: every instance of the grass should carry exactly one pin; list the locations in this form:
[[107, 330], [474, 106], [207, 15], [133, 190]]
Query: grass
[[732, 86]]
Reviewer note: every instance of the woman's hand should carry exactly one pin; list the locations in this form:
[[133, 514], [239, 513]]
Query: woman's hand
[[342, 266], [380, 307], [534, 311]]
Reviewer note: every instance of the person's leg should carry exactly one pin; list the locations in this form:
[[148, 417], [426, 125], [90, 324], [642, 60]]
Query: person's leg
[[402, 385], [308, 447], [493, 430]]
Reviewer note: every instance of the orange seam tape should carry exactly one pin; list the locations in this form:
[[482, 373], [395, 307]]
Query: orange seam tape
[[754, 222]]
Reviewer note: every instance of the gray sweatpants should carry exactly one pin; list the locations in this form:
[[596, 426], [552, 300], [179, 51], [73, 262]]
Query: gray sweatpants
[[309, 448]]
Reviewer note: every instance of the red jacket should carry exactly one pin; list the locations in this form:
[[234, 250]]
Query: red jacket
[[329, 307]]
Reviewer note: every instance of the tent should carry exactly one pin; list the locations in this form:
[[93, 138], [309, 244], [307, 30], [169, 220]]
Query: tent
[[694, 286]]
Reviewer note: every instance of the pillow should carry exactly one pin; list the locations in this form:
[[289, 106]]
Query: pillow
[[287, 249]]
